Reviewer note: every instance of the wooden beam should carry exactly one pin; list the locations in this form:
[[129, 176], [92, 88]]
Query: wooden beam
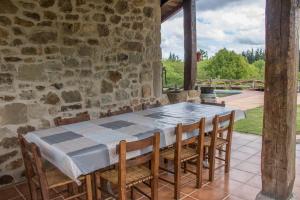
[[190, 44], [279, 129], [169, 9]]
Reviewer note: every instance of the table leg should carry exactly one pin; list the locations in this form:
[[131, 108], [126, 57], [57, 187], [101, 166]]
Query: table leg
[[89, 189]]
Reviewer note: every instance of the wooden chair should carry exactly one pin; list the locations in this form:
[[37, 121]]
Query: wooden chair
[[80, 117], [184, 152], [43, 178], [121, 111], [222, 104], [129, 173], [146, 106], [222, 126]]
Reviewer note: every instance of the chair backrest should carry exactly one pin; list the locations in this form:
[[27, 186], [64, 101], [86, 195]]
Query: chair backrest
[[34, 164], [126, 109], [125, 147], [223, 124], [80, 117], [222, 103], [189, 130], [146, 106]]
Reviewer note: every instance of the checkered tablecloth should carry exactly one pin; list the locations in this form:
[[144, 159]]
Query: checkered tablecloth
[[85, 147]]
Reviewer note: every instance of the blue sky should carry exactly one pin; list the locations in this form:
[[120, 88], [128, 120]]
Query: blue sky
[[235, 24]]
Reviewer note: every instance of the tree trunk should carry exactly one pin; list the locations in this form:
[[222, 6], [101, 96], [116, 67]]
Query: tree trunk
[[190, 44], [279, 128]]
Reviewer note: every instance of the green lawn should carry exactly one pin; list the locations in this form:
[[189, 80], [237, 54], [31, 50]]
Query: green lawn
[[254, 121]]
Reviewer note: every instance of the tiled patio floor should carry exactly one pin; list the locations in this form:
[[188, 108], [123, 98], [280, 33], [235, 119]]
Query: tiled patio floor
[[242, 183]]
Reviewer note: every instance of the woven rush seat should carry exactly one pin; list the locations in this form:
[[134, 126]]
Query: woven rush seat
[[219, 141], [55, 178], [134, 175], [186, 153]]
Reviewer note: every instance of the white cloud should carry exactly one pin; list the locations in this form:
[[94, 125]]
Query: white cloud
[[237, 25]]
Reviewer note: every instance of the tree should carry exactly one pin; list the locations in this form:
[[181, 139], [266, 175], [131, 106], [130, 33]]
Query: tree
[[252, 56], [173, 57], [228, 65], [204, 54]]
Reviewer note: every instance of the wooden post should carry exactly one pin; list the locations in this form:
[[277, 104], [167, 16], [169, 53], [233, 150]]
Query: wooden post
[[278, 151], [190, 44]]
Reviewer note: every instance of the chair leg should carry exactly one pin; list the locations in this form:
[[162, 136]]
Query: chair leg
[[33, 191], [89, 189], [199, 172], [131, 193], [227, 158], [98, 185], [185, 167], [211, 165], [71, 189], [177, 175], [154, 188]]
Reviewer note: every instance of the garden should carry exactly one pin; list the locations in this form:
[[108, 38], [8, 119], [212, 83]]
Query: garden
[[225, 65]]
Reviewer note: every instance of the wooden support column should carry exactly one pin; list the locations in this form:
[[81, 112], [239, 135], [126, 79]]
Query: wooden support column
[[278, 150], [190, 44]]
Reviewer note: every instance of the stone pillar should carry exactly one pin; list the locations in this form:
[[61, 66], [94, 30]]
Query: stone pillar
[[278, 151], [190, 44]]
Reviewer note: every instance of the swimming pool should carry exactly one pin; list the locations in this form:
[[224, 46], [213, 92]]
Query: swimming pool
[[225, 93]]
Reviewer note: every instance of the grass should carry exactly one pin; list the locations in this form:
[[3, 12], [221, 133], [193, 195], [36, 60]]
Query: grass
[[253, 122]]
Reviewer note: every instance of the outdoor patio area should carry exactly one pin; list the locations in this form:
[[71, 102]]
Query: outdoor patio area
[[242, 183]]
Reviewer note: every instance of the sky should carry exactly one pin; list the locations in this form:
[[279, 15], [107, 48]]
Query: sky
[[233, 24]]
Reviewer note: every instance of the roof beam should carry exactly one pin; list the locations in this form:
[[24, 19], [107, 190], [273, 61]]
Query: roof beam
[[169, 8]]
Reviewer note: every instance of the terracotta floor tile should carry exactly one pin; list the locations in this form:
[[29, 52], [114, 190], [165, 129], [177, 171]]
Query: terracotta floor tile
[[188, 198], [248, 167], [9, 193], [297, 181], [254, 160], [210, 193], [254, 144], [240, 176], [246, 192], [250, 137], [232, 197], [167, 193], [240, 155], [225, 184], [189, 187], [296, 190], [250, 150], [234, 162], [255, 182], [241, 141], [235, 146], [23, 189]]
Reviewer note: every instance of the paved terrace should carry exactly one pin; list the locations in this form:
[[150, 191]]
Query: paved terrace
[[242, 183], [246, 100]]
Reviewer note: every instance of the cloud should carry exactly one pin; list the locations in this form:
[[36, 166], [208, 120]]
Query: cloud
[[234, 24], [249, 41], [214, 4]]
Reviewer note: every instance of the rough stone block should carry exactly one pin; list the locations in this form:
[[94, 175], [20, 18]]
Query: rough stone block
[[15, 113], [7, 7], [71, 96], [6, 78], [31, 73]]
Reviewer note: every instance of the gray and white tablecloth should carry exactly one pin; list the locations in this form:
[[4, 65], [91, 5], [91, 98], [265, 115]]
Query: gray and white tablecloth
[[85, 147]]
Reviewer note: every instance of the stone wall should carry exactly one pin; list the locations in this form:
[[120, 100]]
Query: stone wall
[[62, 57]]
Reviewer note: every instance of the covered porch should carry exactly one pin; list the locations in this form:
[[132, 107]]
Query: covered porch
[[67, 57]]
